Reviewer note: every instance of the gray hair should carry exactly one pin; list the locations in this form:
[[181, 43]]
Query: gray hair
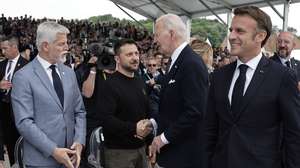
[[174, 22], [47, 32]]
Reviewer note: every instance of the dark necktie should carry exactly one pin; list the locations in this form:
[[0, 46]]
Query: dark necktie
[[57, 84], [288, 64], [8, 70], [168, 65], [238, 89]]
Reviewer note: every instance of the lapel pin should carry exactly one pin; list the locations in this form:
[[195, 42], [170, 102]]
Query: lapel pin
[[63, 73], [175, 66], [18, 64], [171, 81], [261, 71]]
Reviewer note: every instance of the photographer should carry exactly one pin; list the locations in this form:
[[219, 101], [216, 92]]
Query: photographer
[[95, 69]]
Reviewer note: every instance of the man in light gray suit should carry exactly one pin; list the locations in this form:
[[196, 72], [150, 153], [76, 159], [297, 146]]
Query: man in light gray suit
[[47, 104]]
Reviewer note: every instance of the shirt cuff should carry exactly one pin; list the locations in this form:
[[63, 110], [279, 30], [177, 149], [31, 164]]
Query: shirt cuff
[[154, 124], [164, 139]]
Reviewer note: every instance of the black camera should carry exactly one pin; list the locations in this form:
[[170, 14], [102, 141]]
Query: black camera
[[105, 55]]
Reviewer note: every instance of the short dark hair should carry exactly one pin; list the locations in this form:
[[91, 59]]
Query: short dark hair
[[122, 42], [262, 19], [11, 39]]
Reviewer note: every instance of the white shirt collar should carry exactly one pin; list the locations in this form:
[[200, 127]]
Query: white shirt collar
[[176, 53], [253, 63], [283, 60], [44, 62], [15, 60]]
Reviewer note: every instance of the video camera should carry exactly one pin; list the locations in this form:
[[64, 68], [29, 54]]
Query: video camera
[[105, 54]]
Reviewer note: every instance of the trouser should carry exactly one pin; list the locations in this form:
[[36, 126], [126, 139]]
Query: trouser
[[125, 158], [10, 133]]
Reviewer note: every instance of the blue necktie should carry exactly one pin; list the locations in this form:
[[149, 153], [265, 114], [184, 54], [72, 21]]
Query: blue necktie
[[57, 84], [168, 65], [238, 90], [8, 70]]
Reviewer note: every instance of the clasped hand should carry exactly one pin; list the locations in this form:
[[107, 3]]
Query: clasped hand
[[143, 128]]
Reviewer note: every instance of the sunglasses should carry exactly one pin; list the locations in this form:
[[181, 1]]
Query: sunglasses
[[151, 65]]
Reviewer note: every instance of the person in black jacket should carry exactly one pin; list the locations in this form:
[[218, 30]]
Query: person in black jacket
[[253, 104], [13, 62], [123, 108], [285, 45], [1, 147], [182, 98]]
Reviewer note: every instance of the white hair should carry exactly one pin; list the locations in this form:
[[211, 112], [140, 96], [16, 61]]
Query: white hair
[[47, 32], [174, 22]]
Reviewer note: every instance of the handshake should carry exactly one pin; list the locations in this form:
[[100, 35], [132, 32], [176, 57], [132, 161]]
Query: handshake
[[143, 128]]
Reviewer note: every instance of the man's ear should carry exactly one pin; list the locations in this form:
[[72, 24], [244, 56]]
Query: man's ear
[[117, 58], [260, 36], [45, 46]]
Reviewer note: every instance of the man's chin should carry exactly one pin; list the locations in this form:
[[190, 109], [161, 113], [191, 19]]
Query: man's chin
[[283, 54]]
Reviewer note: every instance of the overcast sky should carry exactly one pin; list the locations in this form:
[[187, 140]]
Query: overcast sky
[[83, 9]]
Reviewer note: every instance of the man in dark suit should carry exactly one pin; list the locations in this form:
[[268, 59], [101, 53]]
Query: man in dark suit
[[1, 148], [285, 45], [182, 99], [13, 62], [249, 100]]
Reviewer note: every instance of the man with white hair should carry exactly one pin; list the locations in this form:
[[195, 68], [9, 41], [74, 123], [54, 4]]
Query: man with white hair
[[47, 104], [183, 98]]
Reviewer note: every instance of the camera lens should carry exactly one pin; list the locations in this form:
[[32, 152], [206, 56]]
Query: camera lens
[[105, 61]]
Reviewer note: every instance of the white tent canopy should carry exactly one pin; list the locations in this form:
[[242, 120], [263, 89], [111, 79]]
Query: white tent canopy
[[152, 9]]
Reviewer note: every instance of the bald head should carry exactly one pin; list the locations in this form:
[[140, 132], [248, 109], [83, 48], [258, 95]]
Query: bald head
[[285, 44]]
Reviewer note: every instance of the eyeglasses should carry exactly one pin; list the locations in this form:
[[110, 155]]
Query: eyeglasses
[[151, 65]]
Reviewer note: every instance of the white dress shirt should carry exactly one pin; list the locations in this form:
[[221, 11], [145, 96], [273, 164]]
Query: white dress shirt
[[46, 65], [284, 60], [12, 68], [176, 53], [252, 65]]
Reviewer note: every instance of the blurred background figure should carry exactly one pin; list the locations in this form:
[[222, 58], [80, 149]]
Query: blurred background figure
[[12, 63], [284, 47], [204, 50]]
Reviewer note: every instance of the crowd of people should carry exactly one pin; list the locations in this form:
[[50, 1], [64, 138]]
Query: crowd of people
[[162, 101]]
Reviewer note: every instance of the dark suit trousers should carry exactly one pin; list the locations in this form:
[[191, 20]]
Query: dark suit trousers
[[10, 133]]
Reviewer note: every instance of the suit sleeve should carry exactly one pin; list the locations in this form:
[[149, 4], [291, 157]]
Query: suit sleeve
[[210, 125], [290, 111], [1, 142], [80, 114], [193, 89], [22, 102]]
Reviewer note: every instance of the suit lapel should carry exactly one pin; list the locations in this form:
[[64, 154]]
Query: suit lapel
[[277, 59], [42, 74], [227, 78], [171, 74], [177, 63], [20, 63], [257, 79], [294, 64]]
